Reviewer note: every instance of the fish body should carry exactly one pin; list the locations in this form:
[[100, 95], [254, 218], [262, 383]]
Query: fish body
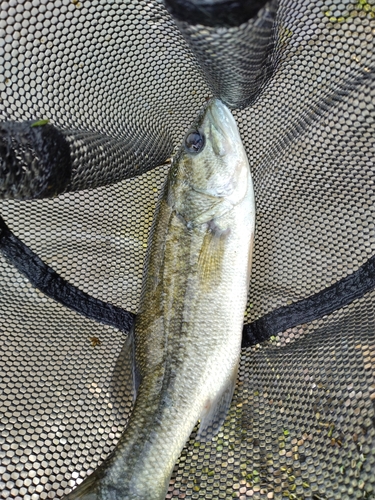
[[187, 336]]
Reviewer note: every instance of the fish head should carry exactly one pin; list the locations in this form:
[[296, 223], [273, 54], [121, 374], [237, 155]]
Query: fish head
[[211, 168]]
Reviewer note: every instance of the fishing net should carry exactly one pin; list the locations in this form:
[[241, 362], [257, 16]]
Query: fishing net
[[120, 82]]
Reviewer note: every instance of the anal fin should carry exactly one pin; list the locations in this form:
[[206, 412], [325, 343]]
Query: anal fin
[[214, 413]]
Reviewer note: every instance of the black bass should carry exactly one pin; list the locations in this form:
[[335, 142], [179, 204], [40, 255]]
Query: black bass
[[187, 336]]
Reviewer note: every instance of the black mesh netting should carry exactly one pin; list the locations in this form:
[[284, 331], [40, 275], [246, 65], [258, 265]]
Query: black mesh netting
[[120, 82]]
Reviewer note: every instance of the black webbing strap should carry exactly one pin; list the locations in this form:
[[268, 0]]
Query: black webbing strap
[[338, 295], [40, 275], [49, 282]]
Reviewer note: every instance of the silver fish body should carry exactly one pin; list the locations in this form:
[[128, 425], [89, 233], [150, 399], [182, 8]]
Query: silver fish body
[[187, 336]]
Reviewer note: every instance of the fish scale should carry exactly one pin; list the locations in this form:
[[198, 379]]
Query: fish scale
[[187, 337]]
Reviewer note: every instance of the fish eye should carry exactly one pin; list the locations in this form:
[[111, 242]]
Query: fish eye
[[194, 142]]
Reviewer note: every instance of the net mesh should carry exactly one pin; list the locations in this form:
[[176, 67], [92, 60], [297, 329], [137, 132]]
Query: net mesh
[[123, 81]]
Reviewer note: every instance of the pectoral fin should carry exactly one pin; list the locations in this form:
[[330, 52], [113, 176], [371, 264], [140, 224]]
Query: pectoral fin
[[215, 411], [212, 252]]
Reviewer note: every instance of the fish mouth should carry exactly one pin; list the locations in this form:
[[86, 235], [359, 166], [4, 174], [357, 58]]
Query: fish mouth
[[219, 111], [222, 119], [221, 127]]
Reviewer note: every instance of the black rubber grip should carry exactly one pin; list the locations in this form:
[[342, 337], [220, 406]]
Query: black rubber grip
[[223, 13], [35, 160]]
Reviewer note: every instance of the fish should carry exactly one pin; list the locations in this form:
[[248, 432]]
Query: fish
[[186, 343]]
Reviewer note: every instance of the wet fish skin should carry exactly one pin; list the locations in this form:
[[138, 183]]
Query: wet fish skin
[[187, 336]]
